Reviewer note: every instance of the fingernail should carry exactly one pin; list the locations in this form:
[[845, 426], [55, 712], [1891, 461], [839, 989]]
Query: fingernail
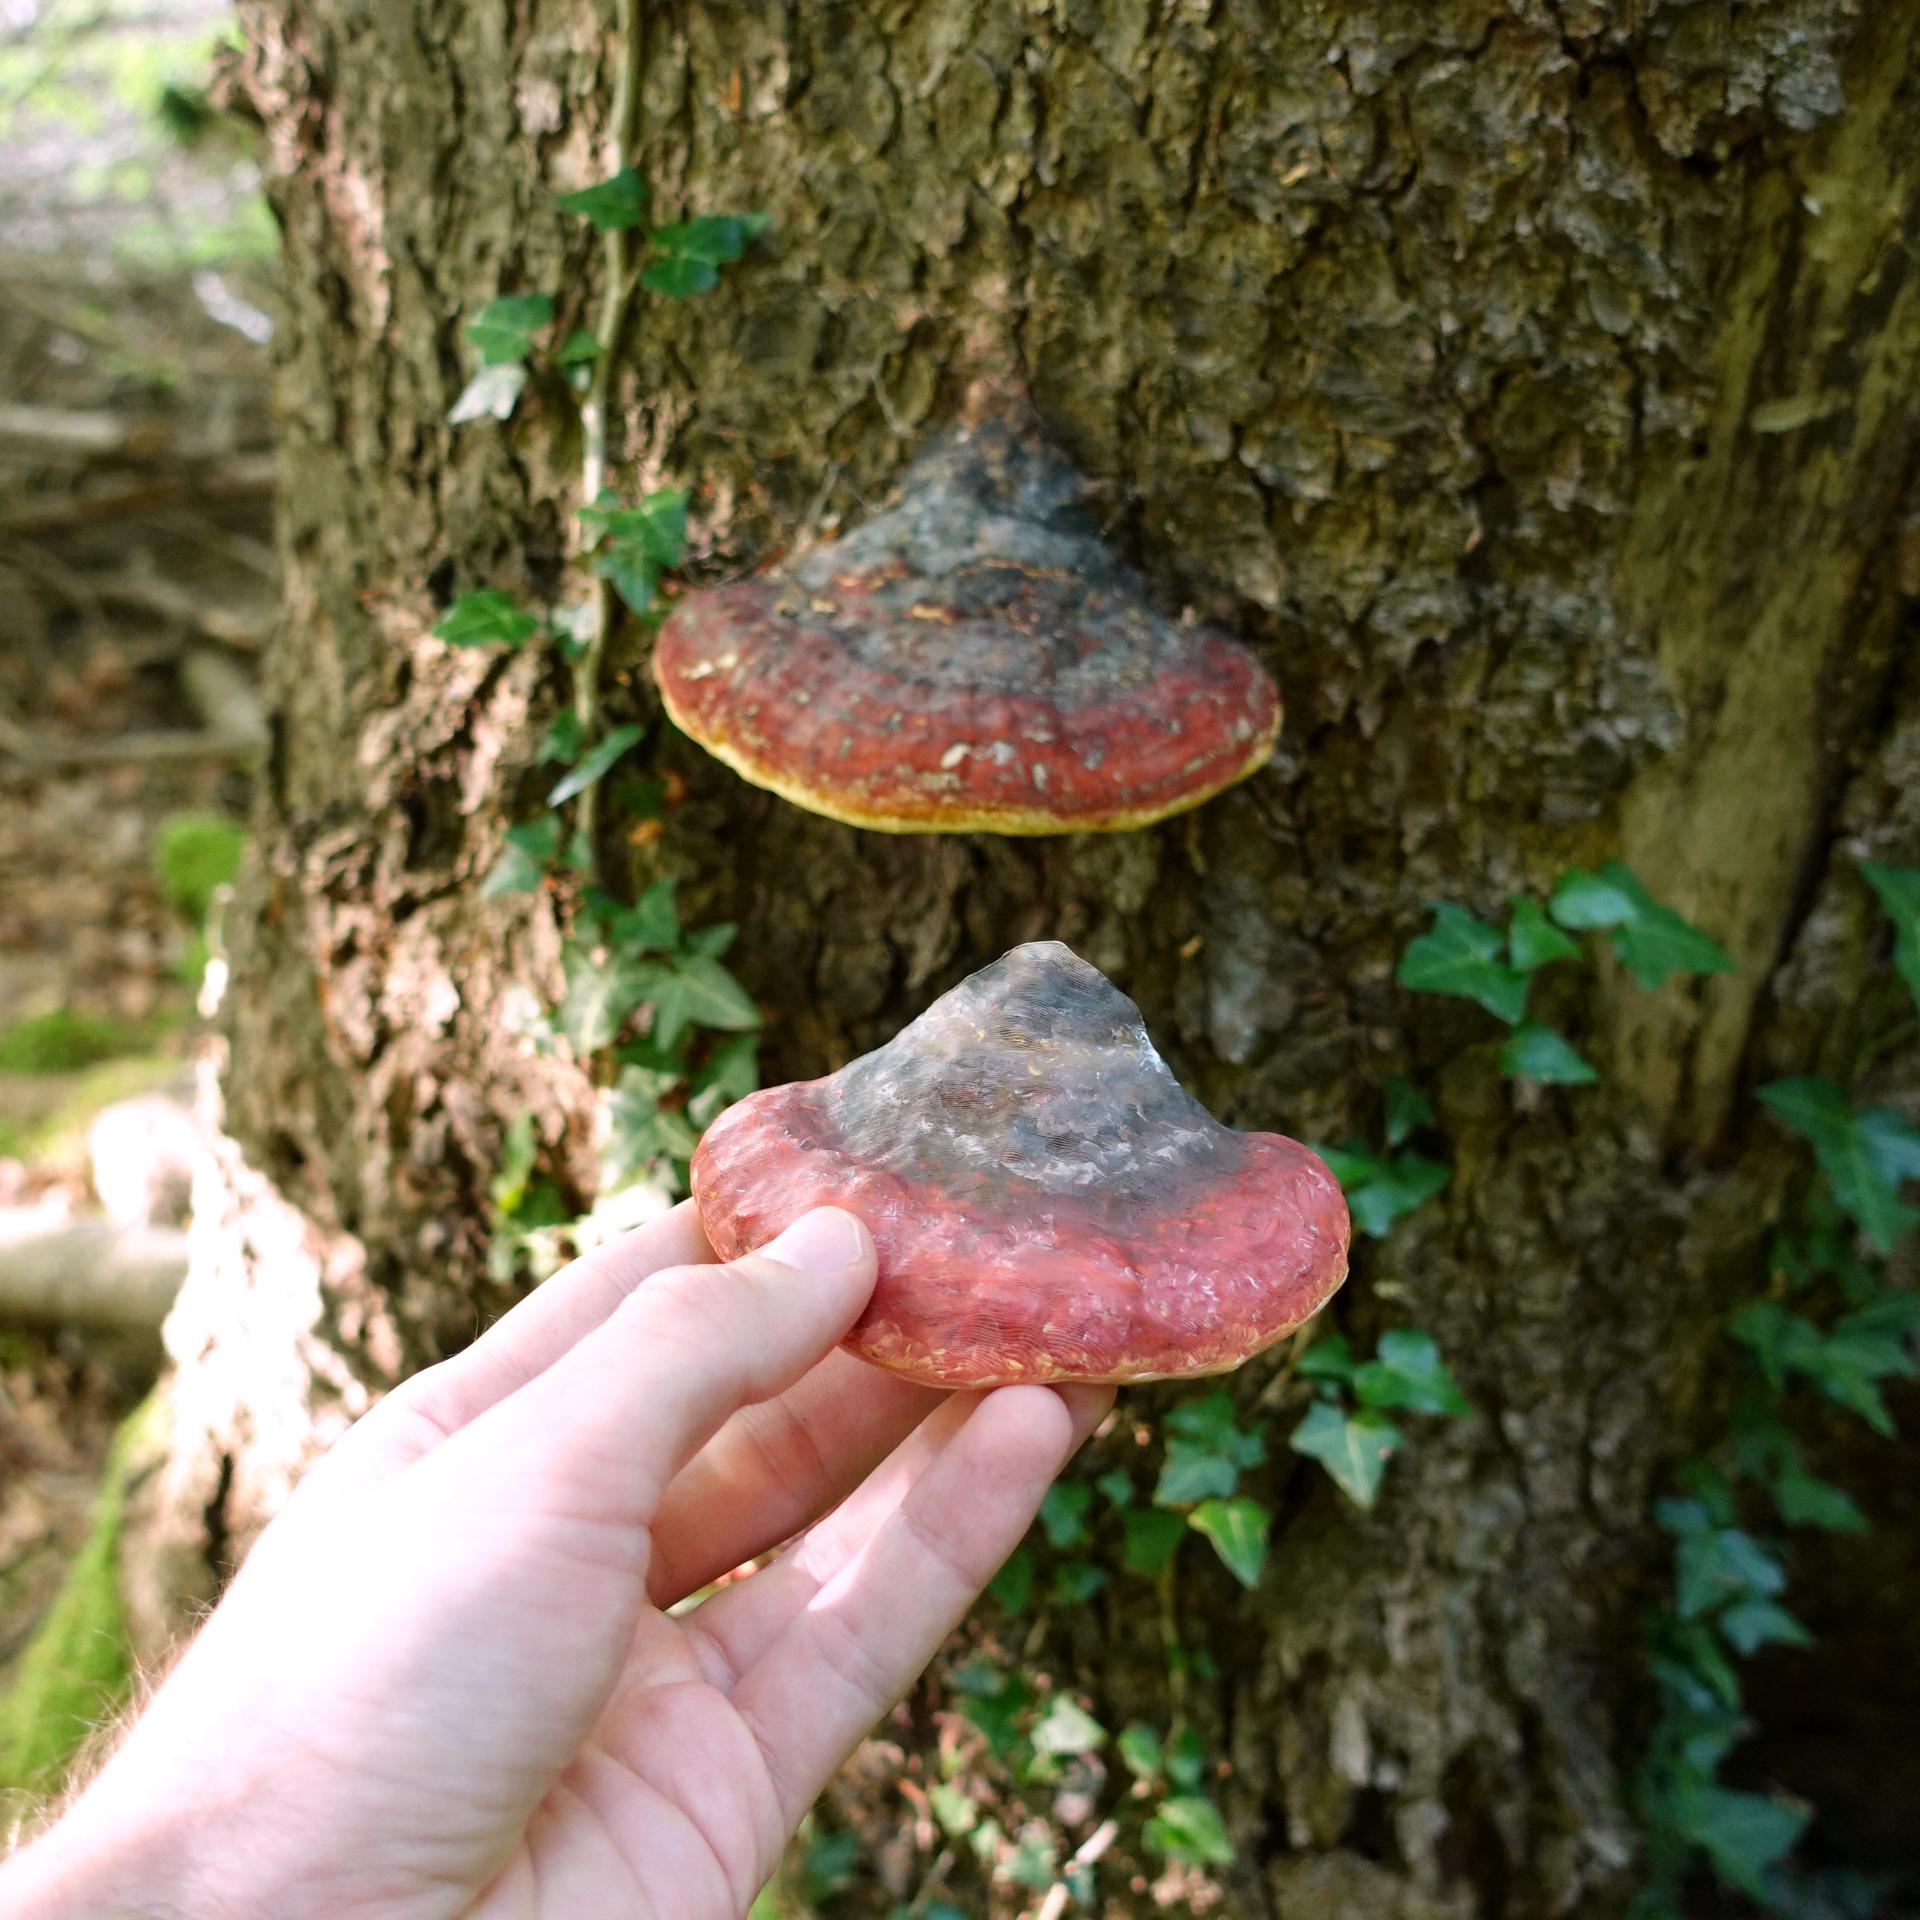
[[822, 1241]]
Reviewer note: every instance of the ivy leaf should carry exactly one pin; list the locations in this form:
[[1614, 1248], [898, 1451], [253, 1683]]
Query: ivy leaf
[[1407, 1182], [1063, 1513], [563, 739], [492, 394], [1864, 1156], [1661, 942], [1720, 1564], [1066, 1728], [1116, 1486], [600, 995], [731, 1072], [1238, 1530], [1077, 1582], [1139, 1750], [530, 850], [503, 331], [678, 278], [692, 252], [1329, 1358], [1533, 941], [1353, 1164], [1534, 1052], [579, 349], [1407, 1108], [1194, 1473], [1461, 956], [1354, 1448], [1805, 1500], [1743, 1834], [1780, 1340], [487, 618], [640, 1131], [612, 205], [595, 765], [1208, 1420], [1408, 1372], [719, 237], [1187, 1758], [1755, 1623], [1899, 891], [657, 526], [652, 923], [1582, 900], [1012, 1586], [690, 990], [1187, 1826], [1152, 1536]]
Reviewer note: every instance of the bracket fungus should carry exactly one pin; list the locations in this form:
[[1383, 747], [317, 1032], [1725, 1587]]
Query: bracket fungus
[[974, 660], [1047, 1201]]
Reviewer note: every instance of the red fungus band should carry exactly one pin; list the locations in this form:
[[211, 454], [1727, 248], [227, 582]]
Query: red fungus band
[[1047, 1201], [973, 660]]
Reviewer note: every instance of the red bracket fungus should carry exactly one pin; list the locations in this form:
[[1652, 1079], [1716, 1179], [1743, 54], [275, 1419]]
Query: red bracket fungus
[[1048, 1202], [975, 660]]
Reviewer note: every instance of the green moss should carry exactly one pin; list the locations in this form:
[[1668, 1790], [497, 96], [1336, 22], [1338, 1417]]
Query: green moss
[[60, 1041], [194, 856], [77, 1667]]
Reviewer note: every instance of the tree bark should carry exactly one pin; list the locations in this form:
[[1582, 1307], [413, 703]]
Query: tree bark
[[1531, 383]]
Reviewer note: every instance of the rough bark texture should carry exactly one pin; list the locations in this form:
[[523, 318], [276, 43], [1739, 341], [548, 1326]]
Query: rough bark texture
[[1531, 383]]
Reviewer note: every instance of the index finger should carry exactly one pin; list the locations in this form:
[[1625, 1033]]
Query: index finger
[[612, 1421], [435, 1403]]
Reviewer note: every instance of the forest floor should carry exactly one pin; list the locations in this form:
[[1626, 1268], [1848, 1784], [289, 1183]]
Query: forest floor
[[136, 585]]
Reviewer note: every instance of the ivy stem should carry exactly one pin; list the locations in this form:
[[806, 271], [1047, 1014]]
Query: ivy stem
[[616, 302]]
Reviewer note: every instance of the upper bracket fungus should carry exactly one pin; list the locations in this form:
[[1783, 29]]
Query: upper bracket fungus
[[1047, 1201], [974, 660]]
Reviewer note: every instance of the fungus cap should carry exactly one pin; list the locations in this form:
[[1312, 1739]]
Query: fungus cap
[[974, 660], [1047, 1201]]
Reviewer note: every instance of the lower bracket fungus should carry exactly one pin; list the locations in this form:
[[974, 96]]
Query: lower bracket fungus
[[974, 660], [1047, 1201]]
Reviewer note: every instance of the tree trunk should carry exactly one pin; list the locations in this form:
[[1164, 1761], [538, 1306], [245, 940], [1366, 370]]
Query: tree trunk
[[1531, 383]]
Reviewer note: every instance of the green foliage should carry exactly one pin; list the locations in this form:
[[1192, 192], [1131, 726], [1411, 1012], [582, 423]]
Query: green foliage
[[1533, 941], [1067, 1728], [595, 764], [1188, 1827], [529, 852], [1865, 1154], [1353, 1447], [503, 332], [1409, 1373], [634, 546], [1382, 1189], [690, 254], [1238, 1529], [62, 1041], [489, 617], [1461, 957], [1899, 892], [1063, 1513], [77, 1667], [1152, 1536], [610, 205], [1012, 1586], [1651, 941], [194, 856], [1534, 1052], [1408, 1109], [1354, 1444]]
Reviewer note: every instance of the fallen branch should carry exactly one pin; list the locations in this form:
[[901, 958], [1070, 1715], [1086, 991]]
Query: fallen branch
[[88, 1273]]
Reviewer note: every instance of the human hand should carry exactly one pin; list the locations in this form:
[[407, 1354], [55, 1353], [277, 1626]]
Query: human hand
[[445, 1682]]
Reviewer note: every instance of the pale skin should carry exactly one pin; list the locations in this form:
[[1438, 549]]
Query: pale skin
[[445, 1683]]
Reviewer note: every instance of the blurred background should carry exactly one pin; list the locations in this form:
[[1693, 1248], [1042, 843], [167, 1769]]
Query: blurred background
[[137, 584]]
